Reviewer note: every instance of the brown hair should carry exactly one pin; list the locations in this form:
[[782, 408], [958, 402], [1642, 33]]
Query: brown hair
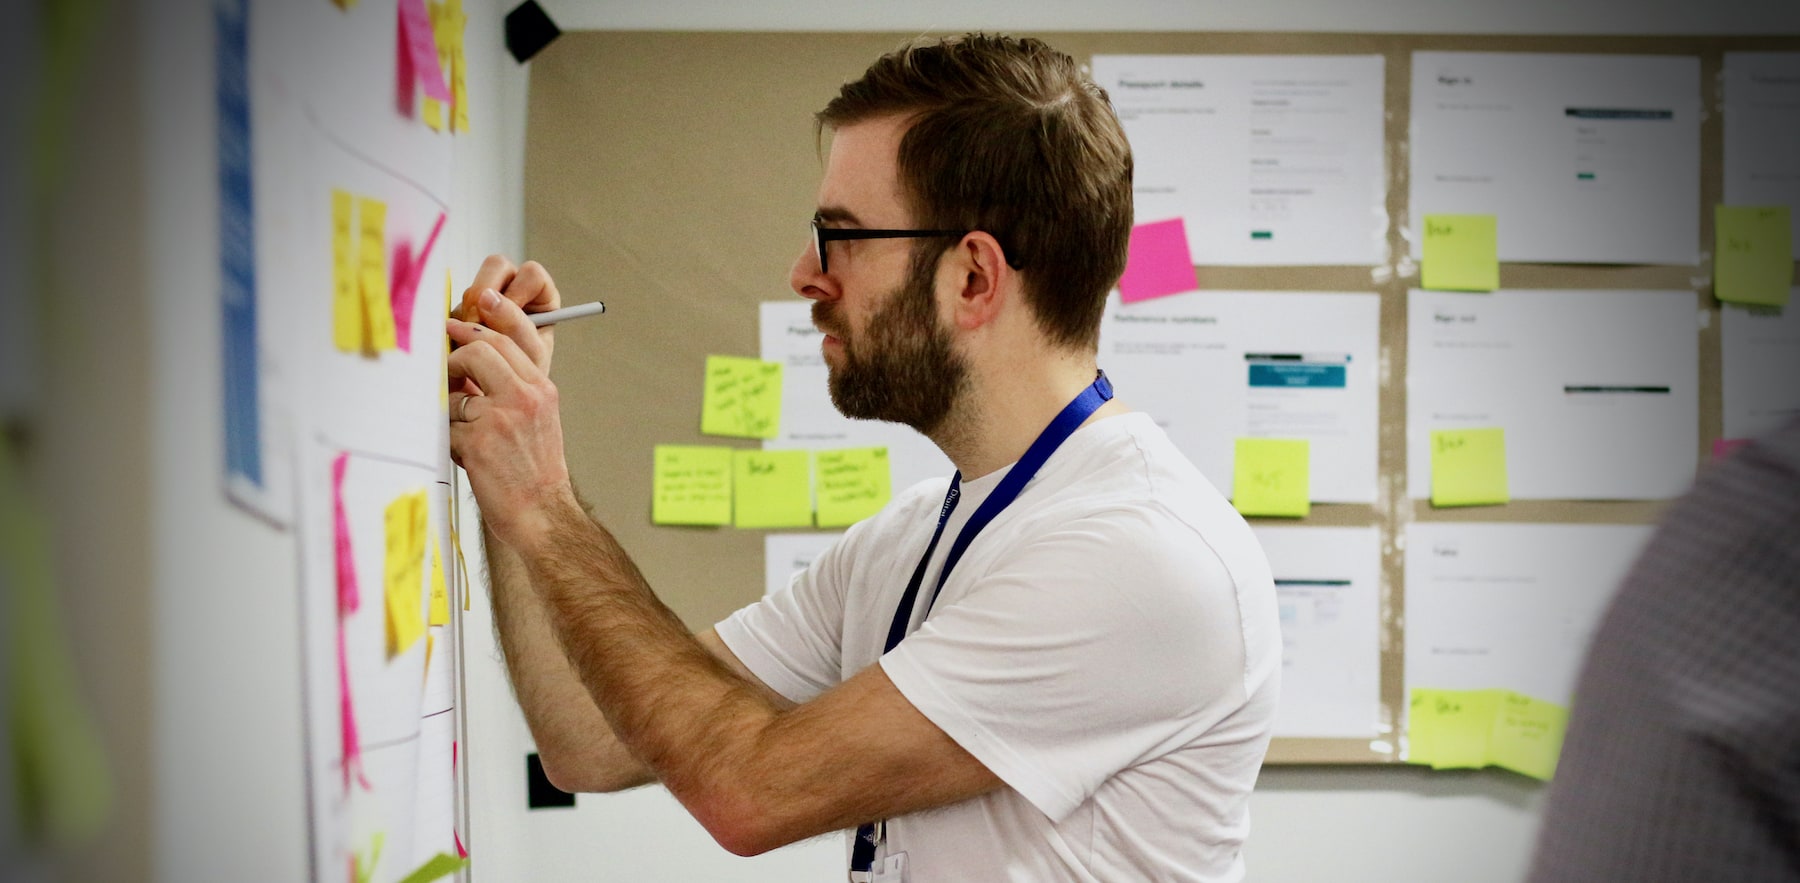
[[1008, 136]]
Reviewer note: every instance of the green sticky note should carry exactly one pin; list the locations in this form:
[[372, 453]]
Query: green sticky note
[[1754, 260], [436, 868], [1468, 467], [62, 774], [1451, 729], [773, 488], [692, 485], [853, 483], [742, 397], [1461, 253], [1528, 735], [1272, 476]]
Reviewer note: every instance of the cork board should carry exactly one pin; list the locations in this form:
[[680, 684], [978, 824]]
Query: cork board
[[672, 174]]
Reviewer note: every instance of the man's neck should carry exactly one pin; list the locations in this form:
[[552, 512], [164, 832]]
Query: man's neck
[[1006, 408]]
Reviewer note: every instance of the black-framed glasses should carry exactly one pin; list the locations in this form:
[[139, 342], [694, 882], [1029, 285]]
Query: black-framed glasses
[[824, 235]]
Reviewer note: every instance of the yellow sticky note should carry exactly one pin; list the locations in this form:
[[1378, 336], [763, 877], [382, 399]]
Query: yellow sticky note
[[1461, 253], [771, 488], [742, 397], [691, 485], [454, 21], [1754, 260], [440, 590], [438, 867], [853, 484], [1272, 476], [1468, 467], [347, 323], [372, 276], [403, 576], [1528, 735], [1451, 729]]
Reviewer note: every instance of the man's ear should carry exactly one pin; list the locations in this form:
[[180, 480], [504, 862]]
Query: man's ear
[[982, 280]]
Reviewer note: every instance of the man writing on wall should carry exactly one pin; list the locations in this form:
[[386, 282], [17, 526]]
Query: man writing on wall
[[1068, 652]]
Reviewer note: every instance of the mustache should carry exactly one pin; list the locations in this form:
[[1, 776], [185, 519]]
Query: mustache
[[824, 318]]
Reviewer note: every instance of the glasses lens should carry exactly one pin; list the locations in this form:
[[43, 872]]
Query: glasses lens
[[818, 245]]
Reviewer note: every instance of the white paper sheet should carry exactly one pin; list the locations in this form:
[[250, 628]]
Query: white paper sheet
[[1762, 130], [787, 554], [1329, 583], [1268, 159], [1213, 366], [1597, 390], [1582, 158], [1760, 351], [1509, 606], [810, 421]]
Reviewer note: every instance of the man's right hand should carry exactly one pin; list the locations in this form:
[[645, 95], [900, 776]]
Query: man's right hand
[[529, 285]]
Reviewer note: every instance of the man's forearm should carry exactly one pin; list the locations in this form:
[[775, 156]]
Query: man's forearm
[[686, 714], [575, 742]]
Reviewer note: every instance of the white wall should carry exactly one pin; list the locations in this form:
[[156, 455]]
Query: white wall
[[228, 798]]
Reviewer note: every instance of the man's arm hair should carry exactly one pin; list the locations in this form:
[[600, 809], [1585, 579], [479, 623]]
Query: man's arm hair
[[574, 741]]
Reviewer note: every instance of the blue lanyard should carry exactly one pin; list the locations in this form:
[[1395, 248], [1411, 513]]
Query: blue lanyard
[[862, 859]]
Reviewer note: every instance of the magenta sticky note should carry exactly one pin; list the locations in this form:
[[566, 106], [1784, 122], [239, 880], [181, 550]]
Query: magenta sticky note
[[350, 742], [421, 48], [1157, 262], [1722, 447]]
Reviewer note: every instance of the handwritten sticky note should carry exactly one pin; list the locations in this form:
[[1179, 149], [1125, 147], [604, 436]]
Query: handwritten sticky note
[[404, 576], [1271, 476], [1468, 467], [691, 485], [771, 489], [1157, 262], [431, 109], [438, 867], [440, 589], [372, 276], [853, 484], [1528, 735], [1451, 729], [742, 397], [347, 322], [454, 23], [1754, 254], [1461, 253], [419, 42]]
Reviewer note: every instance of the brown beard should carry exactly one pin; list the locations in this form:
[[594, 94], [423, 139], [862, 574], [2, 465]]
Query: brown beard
[[902, 369]]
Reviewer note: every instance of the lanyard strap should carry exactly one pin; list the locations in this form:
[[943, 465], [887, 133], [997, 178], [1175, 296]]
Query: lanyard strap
[[1076, 412]]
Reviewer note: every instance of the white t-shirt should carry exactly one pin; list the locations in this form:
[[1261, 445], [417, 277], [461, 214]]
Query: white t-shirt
[[1108, 646]]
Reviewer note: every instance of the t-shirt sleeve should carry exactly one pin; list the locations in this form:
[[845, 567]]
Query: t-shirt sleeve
[[793, 639], [1096, 646]]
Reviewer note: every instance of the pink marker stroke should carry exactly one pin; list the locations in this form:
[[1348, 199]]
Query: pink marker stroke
[[408, 272], [349, 598], [352, 743]]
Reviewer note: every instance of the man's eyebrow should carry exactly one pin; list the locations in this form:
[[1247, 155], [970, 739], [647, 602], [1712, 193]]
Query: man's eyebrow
[[837, 215]]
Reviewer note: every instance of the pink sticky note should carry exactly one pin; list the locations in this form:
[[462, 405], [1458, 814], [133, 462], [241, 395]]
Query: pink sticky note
[[1157, 262], [1723, 447], [408, 270], [352, 743], [420, 46], [348, 597]]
